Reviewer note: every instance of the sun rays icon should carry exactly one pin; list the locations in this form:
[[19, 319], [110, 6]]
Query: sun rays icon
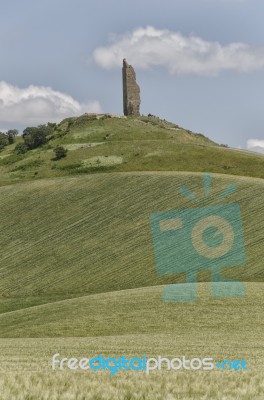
[[207, 179]]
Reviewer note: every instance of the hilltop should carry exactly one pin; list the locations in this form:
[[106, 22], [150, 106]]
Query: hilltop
[[111, 143]]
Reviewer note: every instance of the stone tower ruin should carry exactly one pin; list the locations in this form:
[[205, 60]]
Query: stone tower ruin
[[131, 91]]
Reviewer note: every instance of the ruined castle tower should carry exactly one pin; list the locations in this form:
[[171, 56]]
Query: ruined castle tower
[[131, 90]]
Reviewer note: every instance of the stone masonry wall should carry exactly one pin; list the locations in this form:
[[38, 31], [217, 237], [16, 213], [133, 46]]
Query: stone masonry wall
[[131, 91]]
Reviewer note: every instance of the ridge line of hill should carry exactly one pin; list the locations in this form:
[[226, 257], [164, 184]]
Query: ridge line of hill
[[112, 292]]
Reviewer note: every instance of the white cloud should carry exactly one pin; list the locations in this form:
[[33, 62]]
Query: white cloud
[[38, 104], [146, 47], [255, 145]]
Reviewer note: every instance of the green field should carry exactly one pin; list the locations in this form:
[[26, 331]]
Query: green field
[[78, 273]]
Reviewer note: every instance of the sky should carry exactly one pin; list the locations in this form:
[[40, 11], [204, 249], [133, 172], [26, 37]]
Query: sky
[[199, 63]]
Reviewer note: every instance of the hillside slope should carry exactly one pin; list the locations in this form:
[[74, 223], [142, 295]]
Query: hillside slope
[[70, 237], [140, 311], [113, 144], [78, 274]]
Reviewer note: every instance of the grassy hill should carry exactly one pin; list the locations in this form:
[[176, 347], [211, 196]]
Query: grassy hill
[[114, 144], [91, 233], [141, 311], [78, 273]]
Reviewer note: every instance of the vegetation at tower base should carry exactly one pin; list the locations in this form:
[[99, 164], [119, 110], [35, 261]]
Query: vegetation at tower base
[[78, 275]]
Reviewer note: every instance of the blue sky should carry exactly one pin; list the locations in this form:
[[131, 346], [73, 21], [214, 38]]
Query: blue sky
[[199, 63]]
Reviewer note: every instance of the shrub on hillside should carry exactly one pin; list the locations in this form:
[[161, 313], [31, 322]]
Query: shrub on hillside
[[21, 148], [60, 152]]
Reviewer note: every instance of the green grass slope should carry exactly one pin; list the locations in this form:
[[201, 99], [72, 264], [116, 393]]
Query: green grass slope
[[70, 237], [141, 311], [117, 144]]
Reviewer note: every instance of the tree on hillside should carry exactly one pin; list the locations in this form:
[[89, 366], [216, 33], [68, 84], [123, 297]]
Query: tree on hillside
[[3, 140], [11, 134], [36, 136]]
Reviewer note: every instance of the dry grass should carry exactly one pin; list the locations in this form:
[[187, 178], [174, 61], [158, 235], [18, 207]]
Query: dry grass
[[27, 374]]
